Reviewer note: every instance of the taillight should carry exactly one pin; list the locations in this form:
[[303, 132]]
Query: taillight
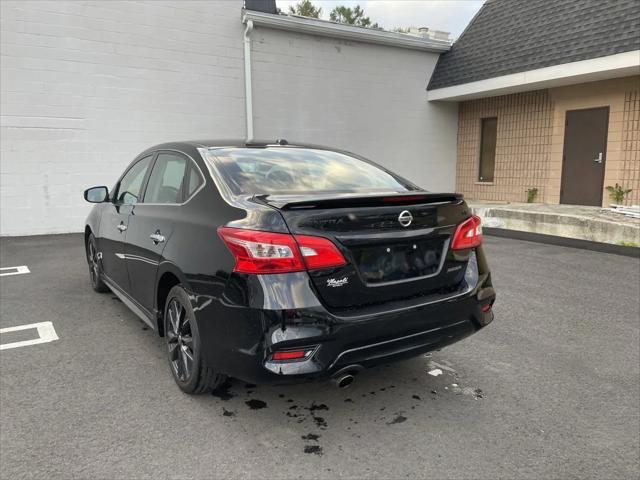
[[262, 252], [468, 234], [319, 252], [268, 252]]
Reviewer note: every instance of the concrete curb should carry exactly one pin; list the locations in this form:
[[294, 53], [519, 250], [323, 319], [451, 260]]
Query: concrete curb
[[563, 241], [559, 224]]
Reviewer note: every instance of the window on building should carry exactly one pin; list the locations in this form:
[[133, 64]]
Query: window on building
[[165, 182], [487, 149]]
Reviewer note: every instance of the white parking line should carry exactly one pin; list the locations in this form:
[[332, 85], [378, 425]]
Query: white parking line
[[15, 270], [46, 333]]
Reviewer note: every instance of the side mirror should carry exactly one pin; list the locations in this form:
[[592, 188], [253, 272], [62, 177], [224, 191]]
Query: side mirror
[[96, 194]]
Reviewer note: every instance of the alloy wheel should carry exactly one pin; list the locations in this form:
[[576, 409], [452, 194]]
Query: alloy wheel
[[92, 258], [180, 340]]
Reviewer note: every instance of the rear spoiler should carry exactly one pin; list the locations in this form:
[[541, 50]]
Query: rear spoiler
[[297, 202]]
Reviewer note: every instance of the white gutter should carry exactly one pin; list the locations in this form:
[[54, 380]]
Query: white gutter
[[325, 28], [247, 77], [612, 66]]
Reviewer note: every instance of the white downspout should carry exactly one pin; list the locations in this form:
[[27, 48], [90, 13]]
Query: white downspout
[[247, 78]]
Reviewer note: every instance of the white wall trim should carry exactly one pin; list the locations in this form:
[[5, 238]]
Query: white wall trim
[[612, 66], [248, 89], [326, 28]]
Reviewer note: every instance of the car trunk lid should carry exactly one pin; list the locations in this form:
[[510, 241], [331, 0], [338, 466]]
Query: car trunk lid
[[396, 245]]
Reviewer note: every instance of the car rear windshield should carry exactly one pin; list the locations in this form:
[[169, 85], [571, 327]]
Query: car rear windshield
[[282, 170]]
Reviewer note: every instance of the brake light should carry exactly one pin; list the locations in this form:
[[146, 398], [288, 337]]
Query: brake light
[[261, 252], [468, 234], [268, 252], [319, 252], [404, 198]]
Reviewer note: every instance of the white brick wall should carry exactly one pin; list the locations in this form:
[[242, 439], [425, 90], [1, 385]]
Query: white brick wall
[[370, 99], [87, 85]]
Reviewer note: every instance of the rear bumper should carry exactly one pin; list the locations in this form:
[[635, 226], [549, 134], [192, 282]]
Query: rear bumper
[[402, 347], [340, 342]]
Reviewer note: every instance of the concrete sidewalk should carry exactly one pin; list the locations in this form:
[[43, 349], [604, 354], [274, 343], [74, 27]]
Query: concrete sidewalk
[[572, 221]]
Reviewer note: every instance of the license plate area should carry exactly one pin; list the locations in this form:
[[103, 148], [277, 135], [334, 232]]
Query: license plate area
[[399, 261]]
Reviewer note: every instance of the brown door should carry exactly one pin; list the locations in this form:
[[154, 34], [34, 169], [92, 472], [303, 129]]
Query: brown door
[[585, 149]]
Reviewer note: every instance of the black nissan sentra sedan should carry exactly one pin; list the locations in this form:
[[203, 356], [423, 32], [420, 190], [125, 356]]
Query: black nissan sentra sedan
[[274, 263]]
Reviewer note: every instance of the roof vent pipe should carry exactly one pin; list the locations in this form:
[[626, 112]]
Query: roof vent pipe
[[247, 78]]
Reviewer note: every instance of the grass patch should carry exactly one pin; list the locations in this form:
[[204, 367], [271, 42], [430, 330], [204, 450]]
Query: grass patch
[[628, 244]]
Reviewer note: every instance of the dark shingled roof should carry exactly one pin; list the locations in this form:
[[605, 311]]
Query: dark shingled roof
[[266, 6], [510, 36]]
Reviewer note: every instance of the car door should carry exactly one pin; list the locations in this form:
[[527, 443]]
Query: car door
[[115, 221], [152, 222]]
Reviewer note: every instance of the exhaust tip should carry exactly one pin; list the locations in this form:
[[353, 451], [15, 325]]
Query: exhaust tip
[[345, 376], [345, 380]]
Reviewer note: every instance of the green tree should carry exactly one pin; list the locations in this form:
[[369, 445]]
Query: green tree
[[305, 8], [351, 16]]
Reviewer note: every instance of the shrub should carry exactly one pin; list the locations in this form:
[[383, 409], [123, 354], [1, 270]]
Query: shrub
[[617, 193]]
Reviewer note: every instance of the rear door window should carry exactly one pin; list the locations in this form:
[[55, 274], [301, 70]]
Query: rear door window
[[194, 180], [275, 170], [167, 177]]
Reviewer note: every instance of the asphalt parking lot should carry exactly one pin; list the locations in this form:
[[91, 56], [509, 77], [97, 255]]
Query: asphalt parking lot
[[550, 389]]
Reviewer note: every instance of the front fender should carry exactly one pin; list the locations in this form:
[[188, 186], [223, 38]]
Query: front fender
[[92, 223]]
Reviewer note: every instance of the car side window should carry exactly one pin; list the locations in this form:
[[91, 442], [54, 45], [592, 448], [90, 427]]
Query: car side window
[[195, 180], [165, 182], [131, 184]]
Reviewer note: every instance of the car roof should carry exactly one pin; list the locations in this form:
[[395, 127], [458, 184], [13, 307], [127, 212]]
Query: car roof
[[237, 143]]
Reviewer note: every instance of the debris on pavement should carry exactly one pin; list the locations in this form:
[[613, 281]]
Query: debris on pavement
[[632, 211]]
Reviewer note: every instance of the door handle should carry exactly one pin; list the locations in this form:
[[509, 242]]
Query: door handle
[[122, 227], [598, 159], [157, 237]]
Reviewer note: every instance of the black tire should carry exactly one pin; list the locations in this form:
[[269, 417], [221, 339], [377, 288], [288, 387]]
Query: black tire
[[184, 346], [95, 268]]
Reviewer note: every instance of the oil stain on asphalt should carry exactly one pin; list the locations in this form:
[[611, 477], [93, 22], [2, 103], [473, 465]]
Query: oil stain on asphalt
[[398, 419], [255, 404], [223, 392], [320, 422], [448, 382], [317, 449]]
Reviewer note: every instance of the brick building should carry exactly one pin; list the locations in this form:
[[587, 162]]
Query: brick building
[[549, 98]]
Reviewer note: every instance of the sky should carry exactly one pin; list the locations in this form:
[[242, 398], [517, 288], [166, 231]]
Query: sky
[[448, 15]]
